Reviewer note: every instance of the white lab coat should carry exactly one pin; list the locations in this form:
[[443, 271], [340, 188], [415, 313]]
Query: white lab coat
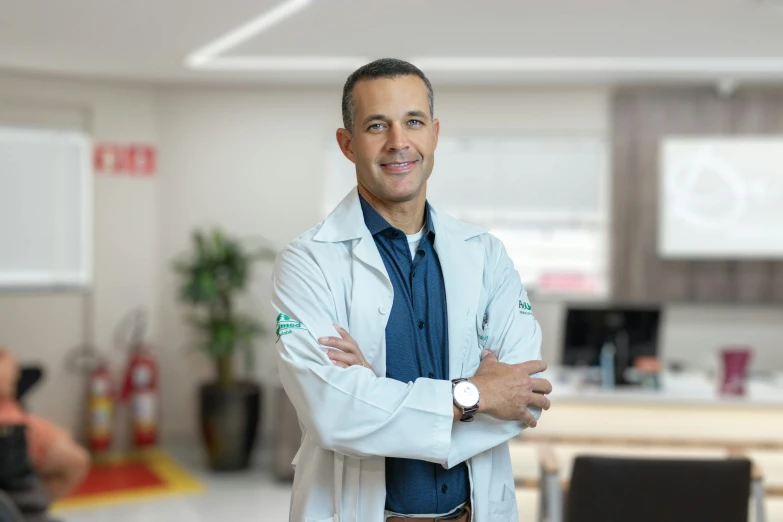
[[353, 418]]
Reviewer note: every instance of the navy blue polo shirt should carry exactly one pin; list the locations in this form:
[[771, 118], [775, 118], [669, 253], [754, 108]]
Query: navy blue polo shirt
[[416, 346]]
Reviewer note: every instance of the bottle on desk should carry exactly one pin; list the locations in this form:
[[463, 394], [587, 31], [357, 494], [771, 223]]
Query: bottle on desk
[[606, 362]]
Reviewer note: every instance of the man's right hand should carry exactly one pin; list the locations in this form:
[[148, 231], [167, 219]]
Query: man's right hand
[[507, 390]]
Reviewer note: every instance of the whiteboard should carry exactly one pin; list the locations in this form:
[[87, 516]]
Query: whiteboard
[[546, 197], [721, 197], [46, 205]]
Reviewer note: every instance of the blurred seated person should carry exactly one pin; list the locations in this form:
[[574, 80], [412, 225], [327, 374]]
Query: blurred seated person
[[57, 460]]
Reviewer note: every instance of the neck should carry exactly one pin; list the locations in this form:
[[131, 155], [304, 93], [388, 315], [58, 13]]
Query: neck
[[407, 216]]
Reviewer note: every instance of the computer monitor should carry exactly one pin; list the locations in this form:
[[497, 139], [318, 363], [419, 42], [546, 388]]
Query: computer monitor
[[632, 329]]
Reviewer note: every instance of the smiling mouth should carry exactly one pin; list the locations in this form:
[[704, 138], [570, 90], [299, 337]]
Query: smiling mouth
[[399, 166]]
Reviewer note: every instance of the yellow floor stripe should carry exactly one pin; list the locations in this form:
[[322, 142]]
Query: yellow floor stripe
[[177, 482]]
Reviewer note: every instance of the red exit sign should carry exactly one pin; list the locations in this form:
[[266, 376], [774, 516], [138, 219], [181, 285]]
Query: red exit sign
[[128, 160]]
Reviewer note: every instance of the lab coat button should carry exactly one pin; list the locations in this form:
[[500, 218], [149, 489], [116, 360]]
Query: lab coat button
[[383, 310]]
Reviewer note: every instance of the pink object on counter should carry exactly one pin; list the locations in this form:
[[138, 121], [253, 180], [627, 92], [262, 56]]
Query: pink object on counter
[[735, 370]]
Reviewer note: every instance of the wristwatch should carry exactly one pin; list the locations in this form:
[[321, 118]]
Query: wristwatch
[[466, 397]]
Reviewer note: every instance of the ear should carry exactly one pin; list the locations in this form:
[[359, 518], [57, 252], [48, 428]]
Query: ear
[[436, 130], [345, 141]]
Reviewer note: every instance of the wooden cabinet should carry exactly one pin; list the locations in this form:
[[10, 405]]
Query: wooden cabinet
[[641, 117]]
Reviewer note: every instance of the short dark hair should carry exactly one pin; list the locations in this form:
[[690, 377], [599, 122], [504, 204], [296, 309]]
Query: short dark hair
[[383, 68]]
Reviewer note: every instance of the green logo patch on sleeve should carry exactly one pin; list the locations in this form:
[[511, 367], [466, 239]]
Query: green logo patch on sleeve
[[286, 325], [525, 308]]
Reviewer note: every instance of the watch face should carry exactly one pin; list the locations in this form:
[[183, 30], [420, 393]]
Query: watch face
[[466, 394]]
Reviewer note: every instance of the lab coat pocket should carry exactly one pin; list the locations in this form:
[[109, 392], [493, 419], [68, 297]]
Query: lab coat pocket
[[503, 510], [472, 358]]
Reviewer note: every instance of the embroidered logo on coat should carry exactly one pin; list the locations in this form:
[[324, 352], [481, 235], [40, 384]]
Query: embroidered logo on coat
[[286, 325]]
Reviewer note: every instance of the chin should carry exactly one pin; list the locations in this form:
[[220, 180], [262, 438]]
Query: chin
[[402, 195], [398, 190], [404, 191]]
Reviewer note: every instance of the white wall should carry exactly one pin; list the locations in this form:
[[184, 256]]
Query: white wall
[[251, 160], [43, 326], [694, 335]]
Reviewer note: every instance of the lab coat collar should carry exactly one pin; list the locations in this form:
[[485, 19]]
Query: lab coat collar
[[346, 222], [376, 223], [462, 263]]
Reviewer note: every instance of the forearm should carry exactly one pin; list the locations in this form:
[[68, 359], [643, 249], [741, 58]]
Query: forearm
[[65, 467], [353, 412], [488, 428], [59, 486], [468, 439]]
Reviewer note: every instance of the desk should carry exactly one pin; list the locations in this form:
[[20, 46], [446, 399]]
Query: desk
[[687, 408], [686, 418], [680, 389]]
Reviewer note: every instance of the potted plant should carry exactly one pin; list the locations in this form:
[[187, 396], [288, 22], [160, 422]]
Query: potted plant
[[213, 276]]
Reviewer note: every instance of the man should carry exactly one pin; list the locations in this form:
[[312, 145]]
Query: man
[[391, 426], [59, 462]]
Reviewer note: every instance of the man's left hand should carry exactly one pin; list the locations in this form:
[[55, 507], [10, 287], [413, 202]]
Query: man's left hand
[[347, 351]]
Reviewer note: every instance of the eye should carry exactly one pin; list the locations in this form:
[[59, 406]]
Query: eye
[[416, 123], [375, 126]]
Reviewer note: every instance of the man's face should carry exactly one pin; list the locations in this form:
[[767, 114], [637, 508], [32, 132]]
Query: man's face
[[394, 137]]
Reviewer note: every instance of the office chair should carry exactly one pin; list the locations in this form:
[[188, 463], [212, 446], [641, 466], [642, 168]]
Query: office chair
[[8, 510], [15, 465], [29, 376], [616, 489]]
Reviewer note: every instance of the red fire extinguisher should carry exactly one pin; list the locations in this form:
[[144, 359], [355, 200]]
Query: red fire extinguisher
[[141, 388], [101, 407], [87, 361]]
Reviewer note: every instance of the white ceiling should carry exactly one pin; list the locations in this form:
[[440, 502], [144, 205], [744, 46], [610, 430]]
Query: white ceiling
[[465, 41]]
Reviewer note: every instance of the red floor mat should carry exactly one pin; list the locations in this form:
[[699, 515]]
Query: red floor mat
[[118, 477]]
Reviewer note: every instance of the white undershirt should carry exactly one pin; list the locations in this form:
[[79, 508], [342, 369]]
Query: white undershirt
[[414, 240]]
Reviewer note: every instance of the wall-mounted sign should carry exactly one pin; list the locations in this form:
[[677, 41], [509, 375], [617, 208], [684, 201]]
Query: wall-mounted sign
[[721, 197], [125, 160]]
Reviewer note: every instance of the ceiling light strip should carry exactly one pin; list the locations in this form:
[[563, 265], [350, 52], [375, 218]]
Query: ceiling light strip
[[245, 32], [285, 63]]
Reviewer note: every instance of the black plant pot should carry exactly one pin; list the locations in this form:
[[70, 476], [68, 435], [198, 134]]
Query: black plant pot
[[229, 423]]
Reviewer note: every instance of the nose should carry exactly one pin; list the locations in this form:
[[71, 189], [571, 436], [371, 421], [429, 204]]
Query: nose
[[396, 138]]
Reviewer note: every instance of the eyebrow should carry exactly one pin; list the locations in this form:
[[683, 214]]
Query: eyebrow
[[414, 113]]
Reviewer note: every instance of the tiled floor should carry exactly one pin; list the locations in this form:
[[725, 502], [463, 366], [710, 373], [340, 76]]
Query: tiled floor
[[248, 496], [252, 496]]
